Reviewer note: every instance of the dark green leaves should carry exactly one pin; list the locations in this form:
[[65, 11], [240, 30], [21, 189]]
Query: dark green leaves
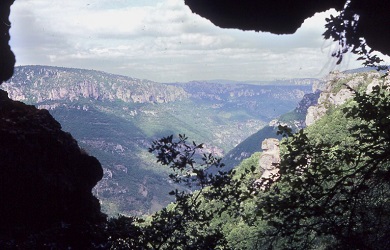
[[335, 187]]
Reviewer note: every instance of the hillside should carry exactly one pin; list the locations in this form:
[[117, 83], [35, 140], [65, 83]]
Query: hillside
[[331, 190], [295, 119], [332, 92], [115, 118]]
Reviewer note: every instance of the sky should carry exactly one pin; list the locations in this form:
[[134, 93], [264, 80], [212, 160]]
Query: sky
[[163, 41]]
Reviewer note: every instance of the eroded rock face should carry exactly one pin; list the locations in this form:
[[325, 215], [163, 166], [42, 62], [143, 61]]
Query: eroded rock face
[[335, 92], [331, 97], [45, 178], [44, 83], [270, 158]]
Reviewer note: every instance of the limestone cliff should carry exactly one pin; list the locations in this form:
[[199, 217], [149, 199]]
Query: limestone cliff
[[34, 84], [335, 92]]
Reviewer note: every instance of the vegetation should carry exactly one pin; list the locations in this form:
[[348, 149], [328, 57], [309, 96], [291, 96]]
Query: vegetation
[[121, 116], [332, 193]]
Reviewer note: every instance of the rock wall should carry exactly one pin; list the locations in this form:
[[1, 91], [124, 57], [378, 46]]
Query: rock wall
[[7, 61], [46, 180], [335, 93]]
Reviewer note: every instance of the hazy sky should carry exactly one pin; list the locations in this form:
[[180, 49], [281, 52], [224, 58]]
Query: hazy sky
[[162, 40]]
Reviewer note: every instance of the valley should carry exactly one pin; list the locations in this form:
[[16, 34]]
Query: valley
[[115, 118]]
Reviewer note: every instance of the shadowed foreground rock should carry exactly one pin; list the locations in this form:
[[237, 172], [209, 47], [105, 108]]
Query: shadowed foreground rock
[[45, 180], [286, 16], [7, 60]]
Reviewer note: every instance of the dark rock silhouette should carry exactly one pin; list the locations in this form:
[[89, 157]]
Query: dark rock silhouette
[[286, 16], [279, 17], [45, 179], [7, 60]]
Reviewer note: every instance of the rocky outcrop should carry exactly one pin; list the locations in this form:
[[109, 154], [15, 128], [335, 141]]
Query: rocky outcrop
[[336, 93], [270, 158], [307, 101], [46, 180], [7, 61], [314, 113]]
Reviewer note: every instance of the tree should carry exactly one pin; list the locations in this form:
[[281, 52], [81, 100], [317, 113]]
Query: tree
[[184, 224], [335, 194]]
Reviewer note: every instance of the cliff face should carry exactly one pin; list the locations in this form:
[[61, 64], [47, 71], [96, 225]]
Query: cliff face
[[45, 178], [335, 93], [35, 84]]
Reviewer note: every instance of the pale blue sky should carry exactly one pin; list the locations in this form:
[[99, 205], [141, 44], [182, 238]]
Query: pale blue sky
[[162, 40]]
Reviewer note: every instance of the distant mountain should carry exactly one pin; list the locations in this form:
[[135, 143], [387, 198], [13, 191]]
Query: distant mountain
[[115, 118], [364, 69], [294, 81]]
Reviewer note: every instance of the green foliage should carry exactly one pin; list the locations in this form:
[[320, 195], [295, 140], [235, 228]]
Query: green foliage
[[333, 190], [120, 116], [332, 193], [183, 225], [335, 187], [210, 218]]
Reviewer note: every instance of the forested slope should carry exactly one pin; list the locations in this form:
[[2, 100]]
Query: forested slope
[[332, 190]]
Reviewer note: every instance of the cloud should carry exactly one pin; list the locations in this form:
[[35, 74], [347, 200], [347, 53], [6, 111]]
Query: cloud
[[161, 40]]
